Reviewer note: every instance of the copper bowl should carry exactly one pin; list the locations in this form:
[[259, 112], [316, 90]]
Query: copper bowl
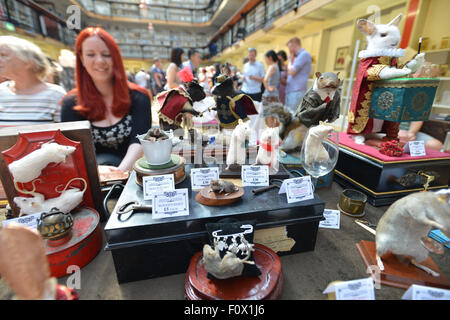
[[352, 203]]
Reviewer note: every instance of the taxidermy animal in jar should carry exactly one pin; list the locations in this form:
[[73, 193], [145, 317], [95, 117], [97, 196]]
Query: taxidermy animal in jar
[[378, 61], [176, 105], [230, 106], [408, 221], [237, 152], [268, 149]]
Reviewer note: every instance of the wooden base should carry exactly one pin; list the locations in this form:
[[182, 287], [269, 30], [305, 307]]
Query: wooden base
[[399, 274], [208, 198], [267, 286], [177, 169]]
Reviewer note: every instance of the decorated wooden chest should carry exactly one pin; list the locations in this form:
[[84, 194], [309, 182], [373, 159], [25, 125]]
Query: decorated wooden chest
[[403, 99]]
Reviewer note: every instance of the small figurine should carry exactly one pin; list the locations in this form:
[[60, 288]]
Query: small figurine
[[237, 152], [407, 221], [231, 107], [378, 61], [155, 134], [314, 150], [176, 105], [268, 149], [25, 268], [223, 186], [321, 102]]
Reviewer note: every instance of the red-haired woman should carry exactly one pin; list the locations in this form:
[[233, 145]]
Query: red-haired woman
[[117, 109]]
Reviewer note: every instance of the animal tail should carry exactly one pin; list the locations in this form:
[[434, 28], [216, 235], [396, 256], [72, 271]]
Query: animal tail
[[32, 192], [68, 183]]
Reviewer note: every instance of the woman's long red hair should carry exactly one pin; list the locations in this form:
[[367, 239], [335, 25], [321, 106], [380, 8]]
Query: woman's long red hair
[[90, 103]]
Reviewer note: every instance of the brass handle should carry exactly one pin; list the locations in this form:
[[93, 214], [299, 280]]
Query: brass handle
[[428, 177]]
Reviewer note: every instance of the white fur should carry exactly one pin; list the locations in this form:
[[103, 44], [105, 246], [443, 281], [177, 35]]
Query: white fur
[[270, 136], [314, 150], [237, 153], [30, 167]]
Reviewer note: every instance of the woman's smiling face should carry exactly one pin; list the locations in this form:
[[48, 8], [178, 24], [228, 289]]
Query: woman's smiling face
[[97, 59]]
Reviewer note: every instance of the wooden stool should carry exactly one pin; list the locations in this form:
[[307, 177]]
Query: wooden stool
[[267, 286]]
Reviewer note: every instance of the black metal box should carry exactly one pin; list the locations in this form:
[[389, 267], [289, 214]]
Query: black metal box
[[144, 248]]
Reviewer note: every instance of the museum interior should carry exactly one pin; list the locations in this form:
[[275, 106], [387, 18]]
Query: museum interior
[[224, 150]]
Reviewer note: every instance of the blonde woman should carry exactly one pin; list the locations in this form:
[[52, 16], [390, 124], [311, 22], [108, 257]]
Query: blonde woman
[[26, 98]]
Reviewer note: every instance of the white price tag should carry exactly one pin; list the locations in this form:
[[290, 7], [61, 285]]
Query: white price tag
[[201, 177], [255, 176], [361, 289], [170, 204], [416, 148], [416, 292], [154, 184], [332, 219], [297, 189], [28, 220]]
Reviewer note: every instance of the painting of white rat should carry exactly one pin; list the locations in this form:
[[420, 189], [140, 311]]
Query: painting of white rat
[[378, 61], [30, 166]]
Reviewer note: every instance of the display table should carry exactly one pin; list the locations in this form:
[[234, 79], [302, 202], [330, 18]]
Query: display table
[[144, 248]]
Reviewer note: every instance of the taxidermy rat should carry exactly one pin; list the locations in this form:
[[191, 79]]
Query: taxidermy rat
[[66, 202], [408, 220], [322, 101], [30, 167], [223, 186], [314, 150], [378, 61], [237, 152], [268, 147]]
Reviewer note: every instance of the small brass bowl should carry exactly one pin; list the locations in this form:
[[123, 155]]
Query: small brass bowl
[[55, 225], [352, 203]]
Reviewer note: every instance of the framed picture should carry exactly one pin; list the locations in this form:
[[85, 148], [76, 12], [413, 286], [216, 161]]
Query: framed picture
[[444, 42], [339, 62]]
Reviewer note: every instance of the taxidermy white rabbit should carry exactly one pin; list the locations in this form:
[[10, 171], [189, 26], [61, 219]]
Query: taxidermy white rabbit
[[66, 202], [30, 167], [377, 62], [237, 152], [408, 220], [314, 150], [268, 148]]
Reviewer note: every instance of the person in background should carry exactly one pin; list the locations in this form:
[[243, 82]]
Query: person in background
[[194, 61], [410, 131], [130, 76], [176, 63], [271, 79], [118, 110], [203, 80], [26, 98], [252, 76], [298, 72], [142, 78], [216, 73], [55, 72], [159, 77], [282, 58]]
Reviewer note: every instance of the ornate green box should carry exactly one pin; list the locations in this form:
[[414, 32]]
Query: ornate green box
[[403, 99]]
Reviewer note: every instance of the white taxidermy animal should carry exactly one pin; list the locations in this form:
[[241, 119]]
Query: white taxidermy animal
[[382, 40], [66, 202], [268, 148], [30, 167], [227, 267], [314, 150], [237, 153], [410, 219]]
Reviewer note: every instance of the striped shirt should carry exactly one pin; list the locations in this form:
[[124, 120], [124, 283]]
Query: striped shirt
[[28, 109]]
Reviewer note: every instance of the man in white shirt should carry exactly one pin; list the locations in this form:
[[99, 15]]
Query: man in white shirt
[[141, 78], [253, 76]]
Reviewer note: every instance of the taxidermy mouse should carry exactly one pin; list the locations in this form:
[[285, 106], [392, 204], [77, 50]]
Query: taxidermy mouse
[[223, 186], [30, 167], [408, 220], [321, 102], [378, 61], [66, 202]]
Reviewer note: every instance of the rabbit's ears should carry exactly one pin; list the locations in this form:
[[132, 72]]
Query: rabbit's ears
[[368, 27]]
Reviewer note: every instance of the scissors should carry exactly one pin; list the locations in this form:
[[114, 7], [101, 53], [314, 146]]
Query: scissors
[[273, 183], [132, 206]]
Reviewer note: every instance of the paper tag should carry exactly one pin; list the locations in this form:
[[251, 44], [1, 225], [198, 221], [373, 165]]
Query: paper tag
[[155, 184], [201, 177], [28, 220], [417, 292], [332, 219], [255, 176], [361, 289], [416, 148], [298, 189], [170, 204]]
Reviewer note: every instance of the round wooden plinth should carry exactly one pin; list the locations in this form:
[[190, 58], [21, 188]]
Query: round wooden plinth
[[267, 286], [208, 198], [84, 244], [175, 166]]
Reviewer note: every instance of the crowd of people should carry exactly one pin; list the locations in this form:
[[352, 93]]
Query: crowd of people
[[36, 90]]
